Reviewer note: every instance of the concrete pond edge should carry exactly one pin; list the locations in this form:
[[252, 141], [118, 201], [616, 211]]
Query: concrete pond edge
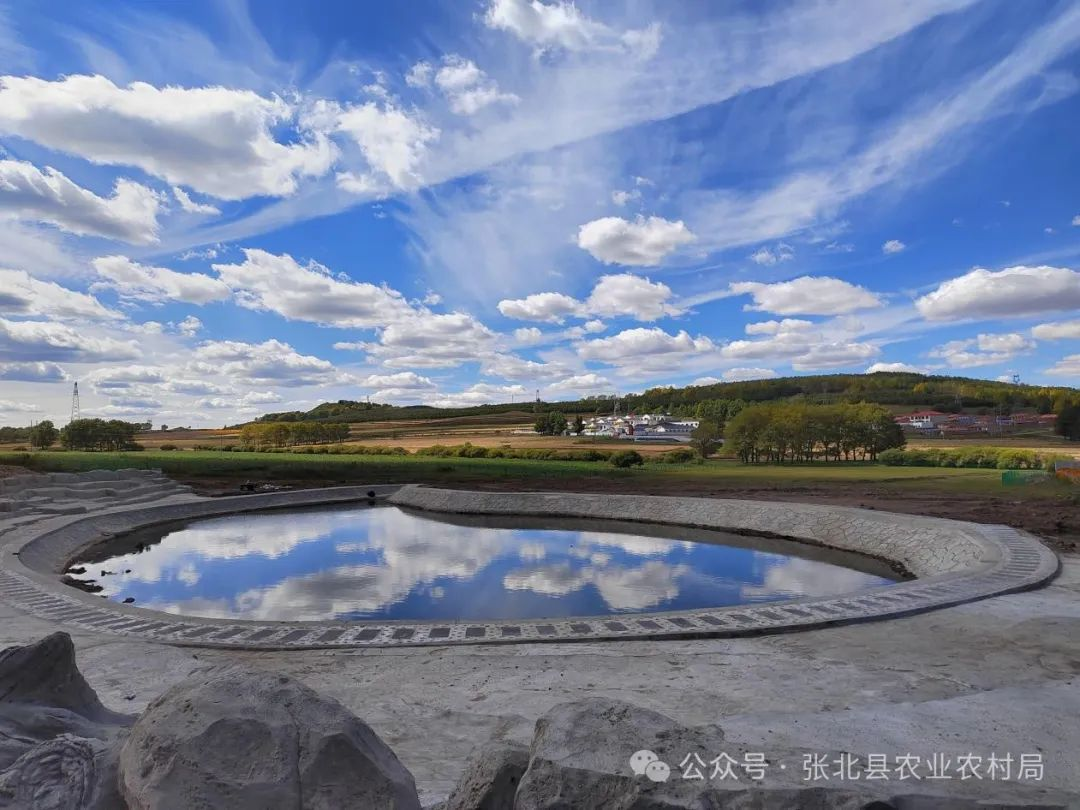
[[954, 562]]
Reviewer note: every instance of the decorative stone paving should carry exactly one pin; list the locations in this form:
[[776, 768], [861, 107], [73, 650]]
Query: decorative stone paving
[[955, 562]]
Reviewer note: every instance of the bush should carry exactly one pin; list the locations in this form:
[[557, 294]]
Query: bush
[[625, 459], [892, 457], [681, 455], [167, 447]]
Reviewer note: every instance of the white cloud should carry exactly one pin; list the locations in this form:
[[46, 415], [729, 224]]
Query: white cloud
[[621, 198], [1076, 221], [643, 242], [1062, 330], [7, 406], [613, 296], [643, 347], [579, 384], [782, 252], [269, 362], [114, 378], [1066, 367], [512, 367], [45, 195], [560, 24], [46, 341], [419, 75], [215, 140], [265, 281], [190, 326], [132, 280], [467, 88], [32, 372], [893, 246], [404, 380], [426, 340], [894, 367], [983, 350], [1012, 292], [629, 295], [776, 327], [807, 295], [542, 307], [392, 141], [742, 374], [528, 334], [479, 394], [22, 294], [192, 207]]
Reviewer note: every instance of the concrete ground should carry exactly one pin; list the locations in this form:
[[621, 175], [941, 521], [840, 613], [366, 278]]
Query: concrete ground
[[998, 675]]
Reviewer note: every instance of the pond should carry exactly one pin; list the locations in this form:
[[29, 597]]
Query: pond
[[382, 562]]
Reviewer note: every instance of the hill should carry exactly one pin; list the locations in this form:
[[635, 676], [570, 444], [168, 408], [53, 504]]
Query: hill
[[901, 390]]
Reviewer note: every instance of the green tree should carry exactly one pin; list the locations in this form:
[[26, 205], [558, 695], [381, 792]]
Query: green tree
[[706, 437], [579, 425], [1068, 421], [44, 435]]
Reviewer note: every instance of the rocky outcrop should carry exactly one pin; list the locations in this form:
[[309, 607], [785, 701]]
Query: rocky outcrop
[[58, 744], [491, 779], [242, 738]]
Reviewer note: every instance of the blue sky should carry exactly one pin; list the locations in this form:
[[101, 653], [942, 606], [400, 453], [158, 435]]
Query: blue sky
[[211, 210]]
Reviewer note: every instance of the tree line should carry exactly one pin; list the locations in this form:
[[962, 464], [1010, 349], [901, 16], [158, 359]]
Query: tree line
[[287, 434], [798, 432], [99, 434]]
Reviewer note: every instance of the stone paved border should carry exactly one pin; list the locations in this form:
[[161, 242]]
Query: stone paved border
[[955, 562]]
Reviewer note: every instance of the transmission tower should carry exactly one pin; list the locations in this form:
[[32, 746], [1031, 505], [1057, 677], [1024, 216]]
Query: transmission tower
[[75, 403]]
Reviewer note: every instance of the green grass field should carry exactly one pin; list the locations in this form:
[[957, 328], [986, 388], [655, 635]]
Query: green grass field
[[721, 473]]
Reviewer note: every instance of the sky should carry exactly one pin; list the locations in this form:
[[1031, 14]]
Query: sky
[[211, 210]]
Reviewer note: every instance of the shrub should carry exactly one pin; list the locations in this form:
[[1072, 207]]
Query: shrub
[[167, 447], [681, 455], [625, 459], [893, 457]]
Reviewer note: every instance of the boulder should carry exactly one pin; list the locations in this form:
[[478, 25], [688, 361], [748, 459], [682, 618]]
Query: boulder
[[491, 778], [58, 743], [244, 738]]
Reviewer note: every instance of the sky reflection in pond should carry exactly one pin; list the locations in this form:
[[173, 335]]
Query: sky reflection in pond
[[386, 563]]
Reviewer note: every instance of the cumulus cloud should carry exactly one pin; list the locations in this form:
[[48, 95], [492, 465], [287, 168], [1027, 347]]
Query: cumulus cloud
[[48, 341], [782, 252], [427, 340], [45, 195], [467, 89], [776, 327], [478, 394], [124, 377], [32, 372], [393, 141], [140, 282], [1062, 330], [216, 140], [643, 242], [8, 406], [894, 367], [1012, 292], [578, 384], [807, 295], [621, 197], [561, 25], [1066, 367], [742, 374], [613, 296], [983, 350], [642, 347], [270, 362], [22, 294], [893, 246], [309, 292], [404, 380], [528, 334]]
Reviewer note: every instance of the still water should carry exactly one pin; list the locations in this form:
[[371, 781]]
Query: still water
[[381, 562]]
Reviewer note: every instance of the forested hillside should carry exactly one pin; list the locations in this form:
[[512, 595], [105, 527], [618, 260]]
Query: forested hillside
[[904, 390]]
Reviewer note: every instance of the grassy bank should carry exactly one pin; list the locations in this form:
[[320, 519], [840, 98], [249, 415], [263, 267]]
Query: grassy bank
[[718, 473]]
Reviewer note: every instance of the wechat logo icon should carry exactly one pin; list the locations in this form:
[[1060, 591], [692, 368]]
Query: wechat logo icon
[[646, 763]]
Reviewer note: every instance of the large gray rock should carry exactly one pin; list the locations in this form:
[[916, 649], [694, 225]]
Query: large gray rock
[[491, 779], [58, 744], [243, 738]]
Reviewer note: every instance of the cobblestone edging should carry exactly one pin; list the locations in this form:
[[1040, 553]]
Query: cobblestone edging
[[955, 562]]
